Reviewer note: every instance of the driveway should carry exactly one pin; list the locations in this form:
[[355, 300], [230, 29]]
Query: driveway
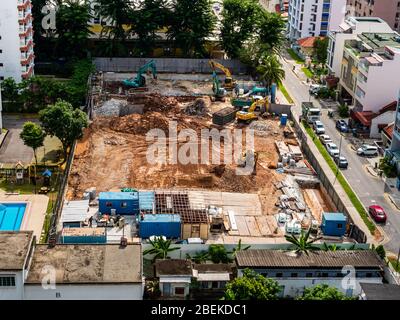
[[369, 189], [13, 148]]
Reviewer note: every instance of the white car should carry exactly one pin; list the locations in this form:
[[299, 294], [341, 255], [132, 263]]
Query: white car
[[319, 127], [367, 150], [324, 138], [333, 150]]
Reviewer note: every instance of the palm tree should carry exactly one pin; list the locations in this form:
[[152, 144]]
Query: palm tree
[[330, 247], [271, 70], [302, 243], [160, 249], [239, 248], [199, 257]]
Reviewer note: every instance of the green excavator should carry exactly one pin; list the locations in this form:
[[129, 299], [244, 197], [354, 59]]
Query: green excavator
[[219, 92], [140, 80]]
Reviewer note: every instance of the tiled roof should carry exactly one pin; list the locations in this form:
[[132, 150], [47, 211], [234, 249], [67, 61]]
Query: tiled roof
[[315, 259], [308, 42], [389, 130]]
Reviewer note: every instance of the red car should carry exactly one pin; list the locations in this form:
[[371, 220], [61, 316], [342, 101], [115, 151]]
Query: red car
[[377, 213]]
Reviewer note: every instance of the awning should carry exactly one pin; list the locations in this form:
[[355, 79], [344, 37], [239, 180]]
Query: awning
[[46, 173], [364, 117], [213, 276]]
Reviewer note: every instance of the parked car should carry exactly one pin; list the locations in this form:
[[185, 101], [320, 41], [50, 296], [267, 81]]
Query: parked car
[[342, 126], [333, 150], [324, 138], [319, 127], [367, 150], [315, 88], [377, 213], [341, 162]]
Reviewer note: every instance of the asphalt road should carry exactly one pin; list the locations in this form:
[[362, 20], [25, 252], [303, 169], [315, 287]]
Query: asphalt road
[[368, 188]]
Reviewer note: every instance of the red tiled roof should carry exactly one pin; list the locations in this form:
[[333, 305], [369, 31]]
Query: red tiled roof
[[389, 130], [308, 42], [364, 117], [390, 107]]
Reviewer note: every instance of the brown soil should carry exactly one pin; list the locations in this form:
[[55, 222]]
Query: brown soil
[[112, 155]]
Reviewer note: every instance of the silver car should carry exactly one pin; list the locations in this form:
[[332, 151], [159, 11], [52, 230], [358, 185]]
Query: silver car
[[333, 150]]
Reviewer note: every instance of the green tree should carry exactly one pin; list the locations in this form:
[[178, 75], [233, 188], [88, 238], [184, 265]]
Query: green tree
[[33, 137], [388, 167], [218, 253], [199, 257], [323, 292], [64, 122], [344, 111], [252, 286], [239, 247], [303, 243], [380, 250], [160, 248], [192, 22], [239, 21], [320, 50], [271, 31], [152, 16], [118, 15], [9, 90], [271, 70], [72, 31]]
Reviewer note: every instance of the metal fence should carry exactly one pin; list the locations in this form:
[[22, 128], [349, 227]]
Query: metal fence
[[168, 65]]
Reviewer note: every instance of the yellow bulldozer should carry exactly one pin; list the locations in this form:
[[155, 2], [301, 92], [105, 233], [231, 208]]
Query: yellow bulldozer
[[247, 114]]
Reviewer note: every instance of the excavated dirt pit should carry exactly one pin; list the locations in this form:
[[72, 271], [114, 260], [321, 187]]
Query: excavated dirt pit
[[113, 154]]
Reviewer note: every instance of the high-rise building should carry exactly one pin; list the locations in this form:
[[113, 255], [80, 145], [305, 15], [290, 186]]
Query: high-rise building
[[16, 39], [388, 10], [310, 18]]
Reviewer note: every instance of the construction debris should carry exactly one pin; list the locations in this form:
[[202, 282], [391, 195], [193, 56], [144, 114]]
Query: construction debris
[[199, 107]]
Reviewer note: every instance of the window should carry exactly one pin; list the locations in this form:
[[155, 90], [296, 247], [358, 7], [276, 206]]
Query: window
[[1, 64], [7, 281], [340, 226], [214, 284], [58, 294], [368, 275], [179, 290], [108, 204], [1, 78], [325, 275], [293, 274], [124, 204], [264, 274], [196, 229], [309, 275], [279, 274]]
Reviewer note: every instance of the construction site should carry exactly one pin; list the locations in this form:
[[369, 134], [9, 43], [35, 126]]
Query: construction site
[[281, 192]]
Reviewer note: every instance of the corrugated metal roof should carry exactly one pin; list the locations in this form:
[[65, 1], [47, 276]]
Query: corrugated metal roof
[[334, 216], [74, 211], [322, 259]]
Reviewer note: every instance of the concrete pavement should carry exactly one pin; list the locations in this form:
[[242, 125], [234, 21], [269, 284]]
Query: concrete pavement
[[368, 188]]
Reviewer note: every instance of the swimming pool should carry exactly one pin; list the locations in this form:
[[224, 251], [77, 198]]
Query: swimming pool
[[11, 215]]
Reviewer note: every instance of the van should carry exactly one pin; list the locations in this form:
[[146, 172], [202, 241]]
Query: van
[[367, 150], [319, 127]]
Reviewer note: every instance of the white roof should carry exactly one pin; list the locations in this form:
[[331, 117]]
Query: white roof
[[175, 279], [74, 211], [215, 276]]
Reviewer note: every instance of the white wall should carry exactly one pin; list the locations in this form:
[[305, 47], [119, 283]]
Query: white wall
[[12, 293], [86, 292], [9, 43], [387, 117], [337, 14], [382, 86]]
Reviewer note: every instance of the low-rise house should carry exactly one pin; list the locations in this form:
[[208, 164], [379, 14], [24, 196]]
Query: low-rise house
[[305, 46], [211, 279], [387, 135], [175, 277], [16, 250], [344, 270], [383, 291], [85, 272]]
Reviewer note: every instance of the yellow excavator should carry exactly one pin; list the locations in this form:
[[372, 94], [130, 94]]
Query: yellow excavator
[[247, 113], [229, 83]]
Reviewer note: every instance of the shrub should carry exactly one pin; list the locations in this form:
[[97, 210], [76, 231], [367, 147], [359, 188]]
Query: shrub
[[344, 111], [380, 250]]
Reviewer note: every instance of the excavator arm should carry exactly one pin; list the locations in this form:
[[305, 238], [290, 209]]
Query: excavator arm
[[139, 80], [229, 82]]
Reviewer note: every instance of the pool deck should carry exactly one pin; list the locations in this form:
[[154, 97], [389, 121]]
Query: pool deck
[[35, 210]]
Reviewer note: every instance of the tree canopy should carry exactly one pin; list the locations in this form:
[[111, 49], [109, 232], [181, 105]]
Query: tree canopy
[[321, 50], [64, 122], [33, 136], [252, 286], [323, 292]]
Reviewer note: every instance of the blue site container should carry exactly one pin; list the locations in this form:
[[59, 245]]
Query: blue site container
[[124, 203], [146, 200], [167, 225], [333, 224], [284, 117]]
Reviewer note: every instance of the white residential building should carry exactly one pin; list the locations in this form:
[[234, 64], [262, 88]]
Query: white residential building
[[310, 18], [350, 29], [16, 40]]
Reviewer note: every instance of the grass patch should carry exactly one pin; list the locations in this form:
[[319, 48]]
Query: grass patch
[[25, 188], [308, 73], [393, 262], [282, 89], [340, 178], [295, 56]]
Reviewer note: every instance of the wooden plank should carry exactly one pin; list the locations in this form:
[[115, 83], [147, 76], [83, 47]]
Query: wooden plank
[[252, 226], [242, 226], [272, 224], [263, 226]]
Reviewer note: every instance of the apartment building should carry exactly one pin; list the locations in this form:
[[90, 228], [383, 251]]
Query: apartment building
[[388, 10], [310, 18], [16, 40]]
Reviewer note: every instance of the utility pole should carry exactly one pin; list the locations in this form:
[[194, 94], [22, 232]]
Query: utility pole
[[337, 165]]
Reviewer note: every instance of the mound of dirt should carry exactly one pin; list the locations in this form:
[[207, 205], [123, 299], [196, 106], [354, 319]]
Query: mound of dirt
[[199, 107]]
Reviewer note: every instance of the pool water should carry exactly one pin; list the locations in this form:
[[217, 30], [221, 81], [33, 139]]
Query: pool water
[[11, 215]]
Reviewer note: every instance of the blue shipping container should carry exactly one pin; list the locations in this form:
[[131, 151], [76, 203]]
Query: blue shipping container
[[124, 203], [146, 200], [168, 225], [333, 224]]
